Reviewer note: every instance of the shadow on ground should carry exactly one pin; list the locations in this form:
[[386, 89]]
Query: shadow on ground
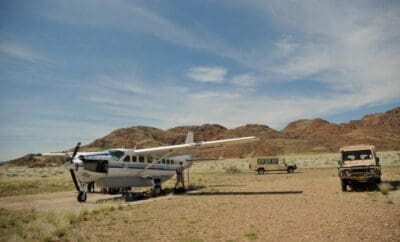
[[242, 193], [226, 185]]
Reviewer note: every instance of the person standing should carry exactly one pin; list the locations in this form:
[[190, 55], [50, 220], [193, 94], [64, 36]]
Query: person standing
[[179, 177]]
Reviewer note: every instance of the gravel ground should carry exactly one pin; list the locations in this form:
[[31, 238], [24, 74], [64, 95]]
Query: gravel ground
[[305, 206]]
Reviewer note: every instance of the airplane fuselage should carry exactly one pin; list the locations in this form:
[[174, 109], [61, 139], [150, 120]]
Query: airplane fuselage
[[123, 168]]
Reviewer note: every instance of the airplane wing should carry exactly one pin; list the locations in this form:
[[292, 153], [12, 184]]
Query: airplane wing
[[164, 151], [70, 153], [160, 151]]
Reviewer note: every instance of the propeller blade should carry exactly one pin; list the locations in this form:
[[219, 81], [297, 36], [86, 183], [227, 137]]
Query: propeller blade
[[78, 188], [76, 150]]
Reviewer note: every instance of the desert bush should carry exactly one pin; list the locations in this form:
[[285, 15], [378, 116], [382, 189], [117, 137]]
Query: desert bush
[[232, 170], [384, 188], [251, 235]]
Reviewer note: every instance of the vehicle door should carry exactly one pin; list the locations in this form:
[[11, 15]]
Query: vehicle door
[[274, 166], [282, 165]]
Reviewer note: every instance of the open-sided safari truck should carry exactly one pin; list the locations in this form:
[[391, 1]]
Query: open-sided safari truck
[[359, 165], [263, 164]]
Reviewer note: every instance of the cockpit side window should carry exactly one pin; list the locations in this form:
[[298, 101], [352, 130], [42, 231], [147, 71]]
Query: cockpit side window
[[141, 159], [116, 154], [134, 158], [149, 159]]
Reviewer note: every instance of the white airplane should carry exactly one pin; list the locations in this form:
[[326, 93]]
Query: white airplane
[[126, 168]]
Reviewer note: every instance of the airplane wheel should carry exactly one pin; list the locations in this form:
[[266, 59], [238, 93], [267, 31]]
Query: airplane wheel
[[82, 197], [260, 171], [343, 184], [157, 190]]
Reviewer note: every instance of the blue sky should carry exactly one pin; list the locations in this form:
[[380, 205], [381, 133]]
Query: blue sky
[[75, 70]]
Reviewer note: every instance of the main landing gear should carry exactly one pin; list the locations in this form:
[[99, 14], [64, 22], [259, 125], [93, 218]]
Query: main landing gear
[[156, 189]]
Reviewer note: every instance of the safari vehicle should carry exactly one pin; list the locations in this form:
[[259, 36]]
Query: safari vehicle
[[263, 164], [359, 165]]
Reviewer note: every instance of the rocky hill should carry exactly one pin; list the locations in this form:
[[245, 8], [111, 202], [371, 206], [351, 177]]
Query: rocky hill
[[301, 136]]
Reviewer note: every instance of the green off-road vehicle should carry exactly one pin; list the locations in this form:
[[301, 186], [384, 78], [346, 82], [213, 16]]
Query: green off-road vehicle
[[359, 165]]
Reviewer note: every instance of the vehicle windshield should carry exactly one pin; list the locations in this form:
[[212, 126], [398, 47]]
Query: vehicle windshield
[[356, 155], [116, 154]]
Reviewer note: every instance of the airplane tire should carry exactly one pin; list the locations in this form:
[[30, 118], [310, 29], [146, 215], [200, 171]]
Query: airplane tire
[[82, 196], [260, 171], [343, 183], [290, 170], [157, 190]]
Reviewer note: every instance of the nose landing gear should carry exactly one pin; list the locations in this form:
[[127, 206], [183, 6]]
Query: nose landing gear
[[82, 196]]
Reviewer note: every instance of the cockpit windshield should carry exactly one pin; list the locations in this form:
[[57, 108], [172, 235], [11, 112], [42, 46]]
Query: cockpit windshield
[[356, 155], [116, 154]]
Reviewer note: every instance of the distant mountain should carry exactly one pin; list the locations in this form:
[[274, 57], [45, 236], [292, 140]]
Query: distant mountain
[[301, 136]]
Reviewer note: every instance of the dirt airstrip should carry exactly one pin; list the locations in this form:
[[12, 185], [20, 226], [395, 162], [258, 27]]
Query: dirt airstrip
[[305, 206]]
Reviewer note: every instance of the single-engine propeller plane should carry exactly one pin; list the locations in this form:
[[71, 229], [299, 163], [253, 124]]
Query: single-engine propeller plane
[[126, 168]]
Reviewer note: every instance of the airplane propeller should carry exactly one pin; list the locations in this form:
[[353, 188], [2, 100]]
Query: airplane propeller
[[81, 194], [78, 145]]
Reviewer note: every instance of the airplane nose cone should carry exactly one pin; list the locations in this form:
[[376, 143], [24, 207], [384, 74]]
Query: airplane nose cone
[[69, 165]]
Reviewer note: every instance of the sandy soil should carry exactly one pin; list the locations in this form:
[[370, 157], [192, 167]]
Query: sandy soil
[[304, 206]]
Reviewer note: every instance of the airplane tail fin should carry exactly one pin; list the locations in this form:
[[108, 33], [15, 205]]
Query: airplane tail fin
[[189, 138]]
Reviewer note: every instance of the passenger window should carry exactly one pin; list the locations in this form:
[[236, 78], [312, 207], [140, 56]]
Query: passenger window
[[127, 158], [141, 159], [134, 159], [149, 159], [168, 161], [172, 162], [163, 161]]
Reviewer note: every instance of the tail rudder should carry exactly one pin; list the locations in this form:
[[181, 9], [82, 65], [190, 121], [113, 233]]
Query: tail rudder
[[189, 138]]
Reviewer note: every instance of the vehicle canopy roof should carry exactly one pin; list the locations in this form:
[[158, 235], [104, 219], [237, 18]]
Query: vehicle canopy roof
[[357, 147], [266, 157]]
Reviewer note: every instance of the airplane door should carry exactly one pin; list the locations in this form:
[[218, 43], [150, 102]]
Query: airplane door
[[102, 166]]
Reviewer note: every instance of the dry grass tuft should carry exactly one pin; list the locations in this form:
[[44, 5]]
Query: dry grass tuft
[[48, 226], [385, 188], [232, 170]]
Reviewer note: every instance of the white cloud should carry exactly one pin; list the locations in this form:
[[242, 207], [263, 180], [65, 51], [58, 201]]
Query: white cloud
[[207, 74], [19, 52], [244, 80]]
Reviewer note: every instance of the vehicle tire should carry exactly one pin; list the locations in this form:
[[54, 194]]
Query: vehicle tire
[[82, 197], [344, 185], [290, 170], [378, 181], [261, 171]]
